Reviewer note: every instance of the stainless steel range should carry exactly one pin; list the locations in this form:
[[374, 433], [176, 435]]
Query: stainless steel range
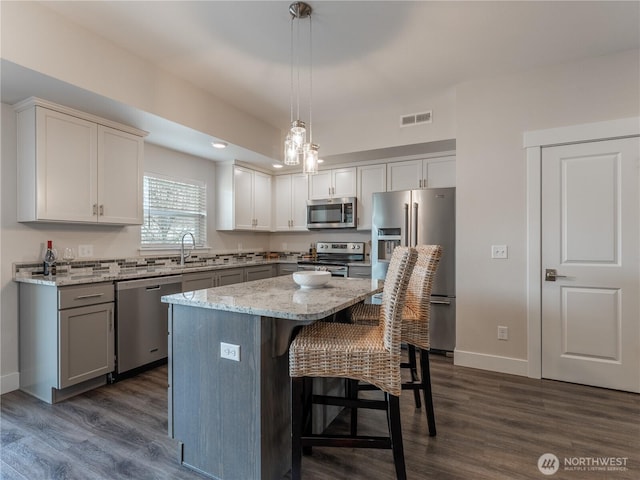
[[334, 257]]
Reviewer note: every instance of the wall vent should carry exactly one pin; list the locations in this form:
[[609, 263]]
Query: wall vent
[[416, 118]]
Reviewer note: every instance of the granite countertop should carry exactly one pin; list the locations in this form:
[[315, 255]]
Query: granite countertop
[[281, 297], [135, 273]]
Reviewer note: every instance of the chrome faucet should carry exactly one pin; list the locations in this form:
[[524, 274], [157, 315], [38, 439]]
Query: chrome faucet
[[183, 257]]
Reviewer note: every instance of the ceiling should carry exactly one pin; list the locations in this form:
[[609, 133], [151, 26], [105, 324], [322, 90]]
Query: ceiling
[[383, 53]]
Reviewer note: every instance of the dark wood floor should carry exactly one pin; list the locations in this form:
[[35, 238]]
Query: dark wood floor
[[490, 426]]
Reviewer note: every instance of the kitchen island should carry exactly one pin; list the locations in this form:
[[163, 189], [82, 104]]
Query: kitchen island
[[232, 415]]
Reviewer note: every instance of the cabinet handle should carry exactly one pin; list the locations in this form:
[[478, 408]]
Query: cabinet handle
[[424, 182], [95, 208], [92, 295], [111, 322], [101, 210]]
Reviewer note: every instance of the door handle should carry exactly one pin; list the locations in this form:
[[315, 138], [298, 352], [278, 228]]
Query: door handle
[[550, 275]]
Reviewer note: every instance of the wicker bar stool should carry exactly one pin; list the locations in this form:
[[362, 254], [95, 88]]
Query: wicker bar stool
[[367, 353], [415, 328]]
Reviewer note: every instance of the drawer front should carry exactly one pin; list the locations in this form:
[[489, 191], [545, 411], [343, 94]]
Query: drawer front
[[80, 296]]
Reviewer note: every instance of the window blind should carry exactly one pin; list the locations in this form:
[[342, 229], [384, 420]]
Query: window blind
[[173, 207]]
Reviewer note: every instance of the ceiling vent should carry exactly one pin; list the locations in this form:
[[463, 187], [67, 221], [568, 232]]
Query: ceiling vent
[[416, 119]]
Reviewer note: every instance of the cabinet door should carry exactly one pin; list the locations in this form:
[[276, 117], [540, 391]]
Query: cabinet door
[[320, 185], [229, 277], [359, 272], [243, 198], [299, 196], [66, 161], [198, 281], [440, 173], [404, 175], [344, 182], [85, 343], [371, 179], [120, 157], [287, 268], [258, 273], [262, 201], [282, 202]]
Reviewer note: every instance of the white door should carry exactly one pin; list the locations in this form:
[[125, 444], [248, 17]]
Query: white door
[[590, 237], [299, 195], [282, 202], [344, 182], [404, 175], [371, 179], [120, 166], [243, 198], [262, 201]]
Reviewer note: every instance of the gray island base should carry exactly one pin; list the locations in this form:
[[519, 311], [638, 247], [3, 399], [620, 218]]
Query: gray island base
[[232, 415]]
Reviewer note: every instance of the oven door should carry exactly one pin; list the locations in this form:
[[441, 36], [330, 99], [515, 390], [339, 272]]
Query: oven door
[[336, 271]]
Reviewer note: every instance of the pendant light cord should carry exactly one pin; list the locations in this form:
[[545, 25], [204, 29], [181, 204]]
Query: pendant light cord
[[310, 78], [291, 72]]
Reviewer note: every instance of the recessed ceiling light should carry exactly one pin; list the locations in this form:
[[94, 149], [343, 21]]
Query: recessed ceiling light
[[219, 144], [277, 165]]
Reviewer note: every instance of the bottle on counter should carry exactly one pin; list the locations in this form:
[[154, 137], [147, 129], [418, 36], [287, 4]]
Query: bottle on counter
[[49, 261]]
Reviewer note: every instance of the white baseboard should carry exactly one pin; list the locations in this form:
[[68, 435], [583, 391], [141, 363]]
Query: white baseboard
[[494, 363], [9, 382]]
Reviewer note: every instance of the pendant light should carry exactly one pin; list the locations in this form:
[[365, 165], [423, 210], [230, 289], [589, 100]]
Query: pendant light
[[296, 148]]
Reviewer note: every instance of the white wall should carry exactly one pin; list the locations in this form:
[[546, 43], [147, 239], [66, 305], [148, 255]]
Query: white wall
[[492, 115], [35, 37], [380, 128]]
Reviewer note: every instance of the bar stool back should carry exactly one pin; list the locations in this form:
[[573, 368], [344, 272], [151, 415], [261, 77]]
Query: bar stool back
[[415, 325]]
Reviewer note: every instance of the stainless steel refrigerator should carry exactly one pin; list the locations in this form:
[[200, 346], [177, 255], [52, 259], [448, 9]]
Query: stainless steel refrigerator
[[420, 217]]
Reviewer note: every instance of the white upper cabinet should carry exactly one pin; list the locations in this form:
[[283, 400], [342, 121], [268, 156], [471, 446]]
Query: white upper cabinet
[[434, 172], [120, 173], [339, 182], [371, 179], [74, 169], [290, 197], [243, 199]]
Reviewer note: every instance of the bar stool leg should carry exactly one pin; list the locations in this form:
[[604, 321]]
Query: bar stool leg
[[395, 430], [297, 414], [426, 389], [352, 393], [413, 366]]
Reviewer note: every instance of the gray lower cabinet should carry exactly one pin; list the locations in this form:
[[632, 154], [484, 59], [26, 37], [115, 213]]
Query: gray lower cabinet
[[66, 339], [258, 272], [211, 278], [359, 271], [287, 268], [230, 276]]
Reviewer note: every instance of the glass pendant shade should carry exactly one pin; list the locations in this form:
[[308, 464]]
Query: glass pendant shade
[[298, 133], [310, 159], [291, 155]]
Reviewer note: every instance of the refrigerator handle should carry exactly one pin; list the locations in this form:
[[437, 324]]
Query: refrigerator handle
[[406, 225], [415, 224]]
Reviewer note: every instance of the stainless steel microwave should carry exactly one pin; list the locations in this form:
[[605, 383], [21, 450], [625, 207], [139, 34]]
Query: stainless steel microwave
[[331, 213]]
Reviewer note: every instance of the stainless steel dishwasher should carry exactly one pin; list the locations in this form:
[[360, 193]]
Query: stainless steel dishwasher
[[141, 321]]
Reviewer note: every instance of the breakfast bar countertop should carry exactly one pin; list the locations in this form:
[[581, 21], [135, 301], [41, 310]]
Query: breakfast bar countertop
[[281, 297]]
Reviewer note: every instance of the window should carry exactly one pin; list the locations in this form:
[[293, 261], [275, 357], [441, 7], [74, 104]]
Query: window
[[173, 207]]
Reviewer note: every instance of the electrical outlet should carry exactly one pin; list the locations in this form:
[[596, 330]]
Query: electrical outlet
[[499, 251], [85, 251], [230, 351], [503, 333]]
